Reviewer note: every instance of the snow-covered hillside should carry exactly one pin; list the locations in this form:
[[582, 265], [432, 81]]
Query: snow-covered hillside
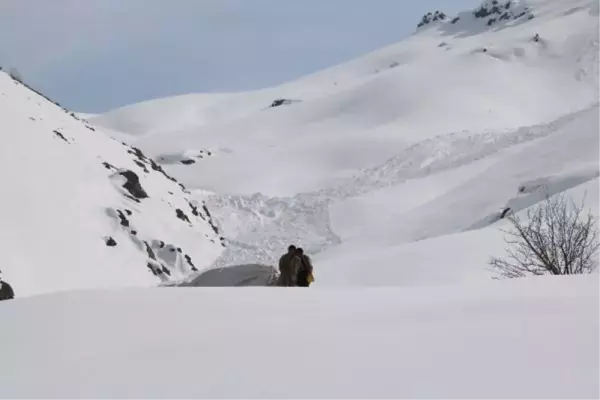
[[357, 114], [427, 139], [534, 338], [80, 210]]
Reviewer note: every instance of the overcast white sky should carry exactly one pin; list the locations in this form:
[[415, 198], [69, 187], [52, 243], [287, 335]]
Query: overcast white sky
[[95, 55]]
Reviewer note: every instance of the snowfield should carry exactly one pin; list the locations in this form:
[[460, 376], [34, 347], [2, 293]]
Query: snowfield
[[528, 338]]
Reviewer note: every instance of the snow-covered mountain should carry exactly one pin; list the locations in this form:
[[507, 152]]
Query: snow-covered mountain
[[81, 210], [395, 169], [428, 137]]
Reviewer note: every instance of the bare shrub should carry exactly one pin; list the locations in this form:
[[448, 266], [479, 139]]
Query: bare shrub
[[556, 238]]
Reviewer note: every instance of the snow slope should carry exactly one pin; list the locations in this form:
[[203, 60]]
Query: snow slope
[[528, 338], [72, 214], [405, 156], [365, 111]]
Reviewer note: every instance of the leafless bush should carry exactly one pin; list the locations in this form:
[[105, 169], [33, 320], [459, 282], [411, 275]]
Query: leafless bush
[[556, 238]]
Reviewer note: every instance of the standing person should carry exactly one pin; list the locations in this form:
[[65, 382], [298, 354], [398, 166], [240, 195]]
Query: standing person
[[305, 270], [286, 277], [6, 291]]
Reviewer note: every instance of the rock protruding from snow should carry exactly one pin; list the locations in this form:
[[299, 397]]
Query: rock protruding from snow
[[132, 185], [431, 17], [488, 14], [494, 11], [282, 102]]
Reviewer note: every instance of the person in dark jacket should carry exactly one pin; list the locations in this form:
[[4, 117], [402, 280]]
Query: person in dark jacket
[[286, 275], [6, 291], [305, 269]]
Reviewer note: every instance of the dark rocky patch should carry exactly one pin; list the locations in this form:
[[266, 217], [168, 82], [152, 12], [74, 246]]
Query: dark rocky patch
[[183, 188], [123, 219], [91, 128], [431, 17], [499, 12], [60, 135], [150, 251], [151, 268], [280, 102], [187, 162], [455, 20], [181, 215], [195, 210], [504, 212], [161, 244], [188, 259], [31, 118], [158, 168], [134, 233], [110, 242], [132, 185], [166, 270], [210, 220], [128, 212], [108, 166], [172, 250]]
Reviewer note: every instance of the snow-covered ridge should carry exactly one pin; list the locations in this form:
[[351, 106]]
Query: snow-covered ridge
[[489, 13], [96, 212]]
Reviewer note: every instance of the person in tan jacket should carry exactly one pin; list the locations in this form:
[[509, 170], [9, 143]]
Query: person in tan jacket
[[304, 269], [287, 267]]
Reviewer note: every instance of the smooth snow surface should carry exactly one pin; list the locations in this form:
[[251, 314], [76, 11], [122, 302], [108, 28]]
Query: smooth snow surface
[[414, 147], [529, 338], [63, 198]]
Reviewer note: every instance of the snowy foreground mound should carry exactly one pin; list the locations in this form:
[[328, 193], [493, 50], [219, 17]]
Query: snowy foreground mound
[[81, 210], [529, 338]]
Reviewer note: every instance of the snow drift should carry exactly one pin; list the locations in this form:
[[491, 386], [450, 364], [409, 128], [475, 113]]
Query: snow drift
[[534, 338]]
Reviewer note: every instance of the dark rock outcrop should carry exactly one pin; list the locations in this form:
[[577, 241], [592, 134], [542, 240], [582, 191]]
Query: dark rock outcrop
[[431, 17], [132, 185]]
